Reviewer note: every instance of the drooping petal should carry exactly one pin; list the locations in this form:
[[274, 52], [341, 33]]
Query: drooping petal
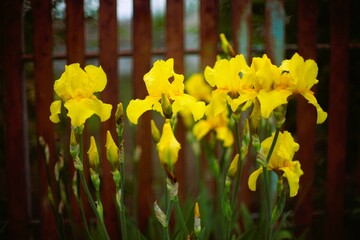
[[55, 110], [253, 178], [217, 104], [137, 107], [185, 101], [80, 110], [293, 177], [269, 100], [321, 114]]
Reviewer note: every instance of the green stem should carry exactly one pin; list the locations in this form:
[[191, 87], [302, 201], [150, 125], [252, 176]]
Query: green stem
[[239, 166], [122, 205], [267, 190], [180, 216], [87, 191]]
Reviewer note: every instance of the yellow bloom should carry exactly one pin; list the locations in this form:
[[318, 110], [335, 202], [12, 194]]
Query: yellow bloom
[[231, 82], [158, 84], [112, 151], [303, 78], [218, 123], [76, 89], [281, 160], [93, 154], [168, 147], [197, 87], [267, 82]]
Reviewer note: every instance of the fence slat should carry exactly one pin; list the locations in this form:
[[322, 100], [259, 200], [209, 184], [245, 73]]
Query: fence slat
[[306, 118], [44, 95], [337, 122], [209, 38], [17, 164], [141, 65], [75, 35], [241, 13], [275, 30], [108, 61], [175, 49]]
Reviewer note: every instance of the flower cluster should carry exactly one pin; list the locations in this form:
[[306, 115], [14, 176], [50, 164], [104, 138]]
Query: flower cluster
[[214, 106]]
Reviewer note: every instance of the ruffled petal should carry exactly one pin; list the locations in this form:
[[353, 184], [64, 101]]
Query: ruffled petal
[[253, 178], [55, 110], [269, 100], [137, 107], [97, 76], [186, 101], [321, 114]]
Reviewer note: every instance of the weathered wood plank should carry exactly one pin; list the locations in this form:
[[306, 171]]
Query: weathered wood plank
[[16, 150], [241, 15], [43, 75], [108, 61], [141, 65], [337, 122], [75, 34], [275, 30], [209, 35], [175, 49], [306, 118]]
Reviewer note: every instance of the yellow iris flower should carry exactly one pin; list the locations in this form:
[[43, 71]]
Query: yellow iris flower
[[158, 85], [267, 80], [281, 160], [168, 147], [303, 78], [76, 89], [218, 123], [232, 85]]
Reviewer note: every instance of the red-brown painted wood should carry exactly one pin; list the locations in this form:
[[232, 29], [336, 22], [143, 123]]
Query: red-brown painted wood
[[175, 49], [108, 61], [209, 35], [306, 119], [337, 122], [44, 81], [141, 65], [16, 144]]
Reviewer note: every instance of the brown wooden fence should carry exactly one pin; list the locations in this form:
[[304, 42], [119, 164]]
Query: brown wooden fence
[[25, 219]]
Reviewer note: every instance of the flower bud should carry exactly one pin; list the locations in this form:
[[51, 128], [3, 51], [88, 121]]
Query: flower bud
[[95, 179], [226, 47], [93, 154], [197, 219], [168, 147], [155, 132], [74, 146], [119, 118], [166, 107], [233, 167], [112, 151]]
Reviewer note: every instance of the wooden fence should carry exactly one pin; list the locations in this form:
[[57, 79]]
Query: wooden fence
[[21, 218]]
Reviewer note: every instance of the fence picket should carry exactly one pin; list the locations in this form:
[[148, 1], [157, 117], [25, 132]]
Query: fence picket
[[306, 118], [16, 145], [337, 122], [141, 65], [108, 61], [43, 74]]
